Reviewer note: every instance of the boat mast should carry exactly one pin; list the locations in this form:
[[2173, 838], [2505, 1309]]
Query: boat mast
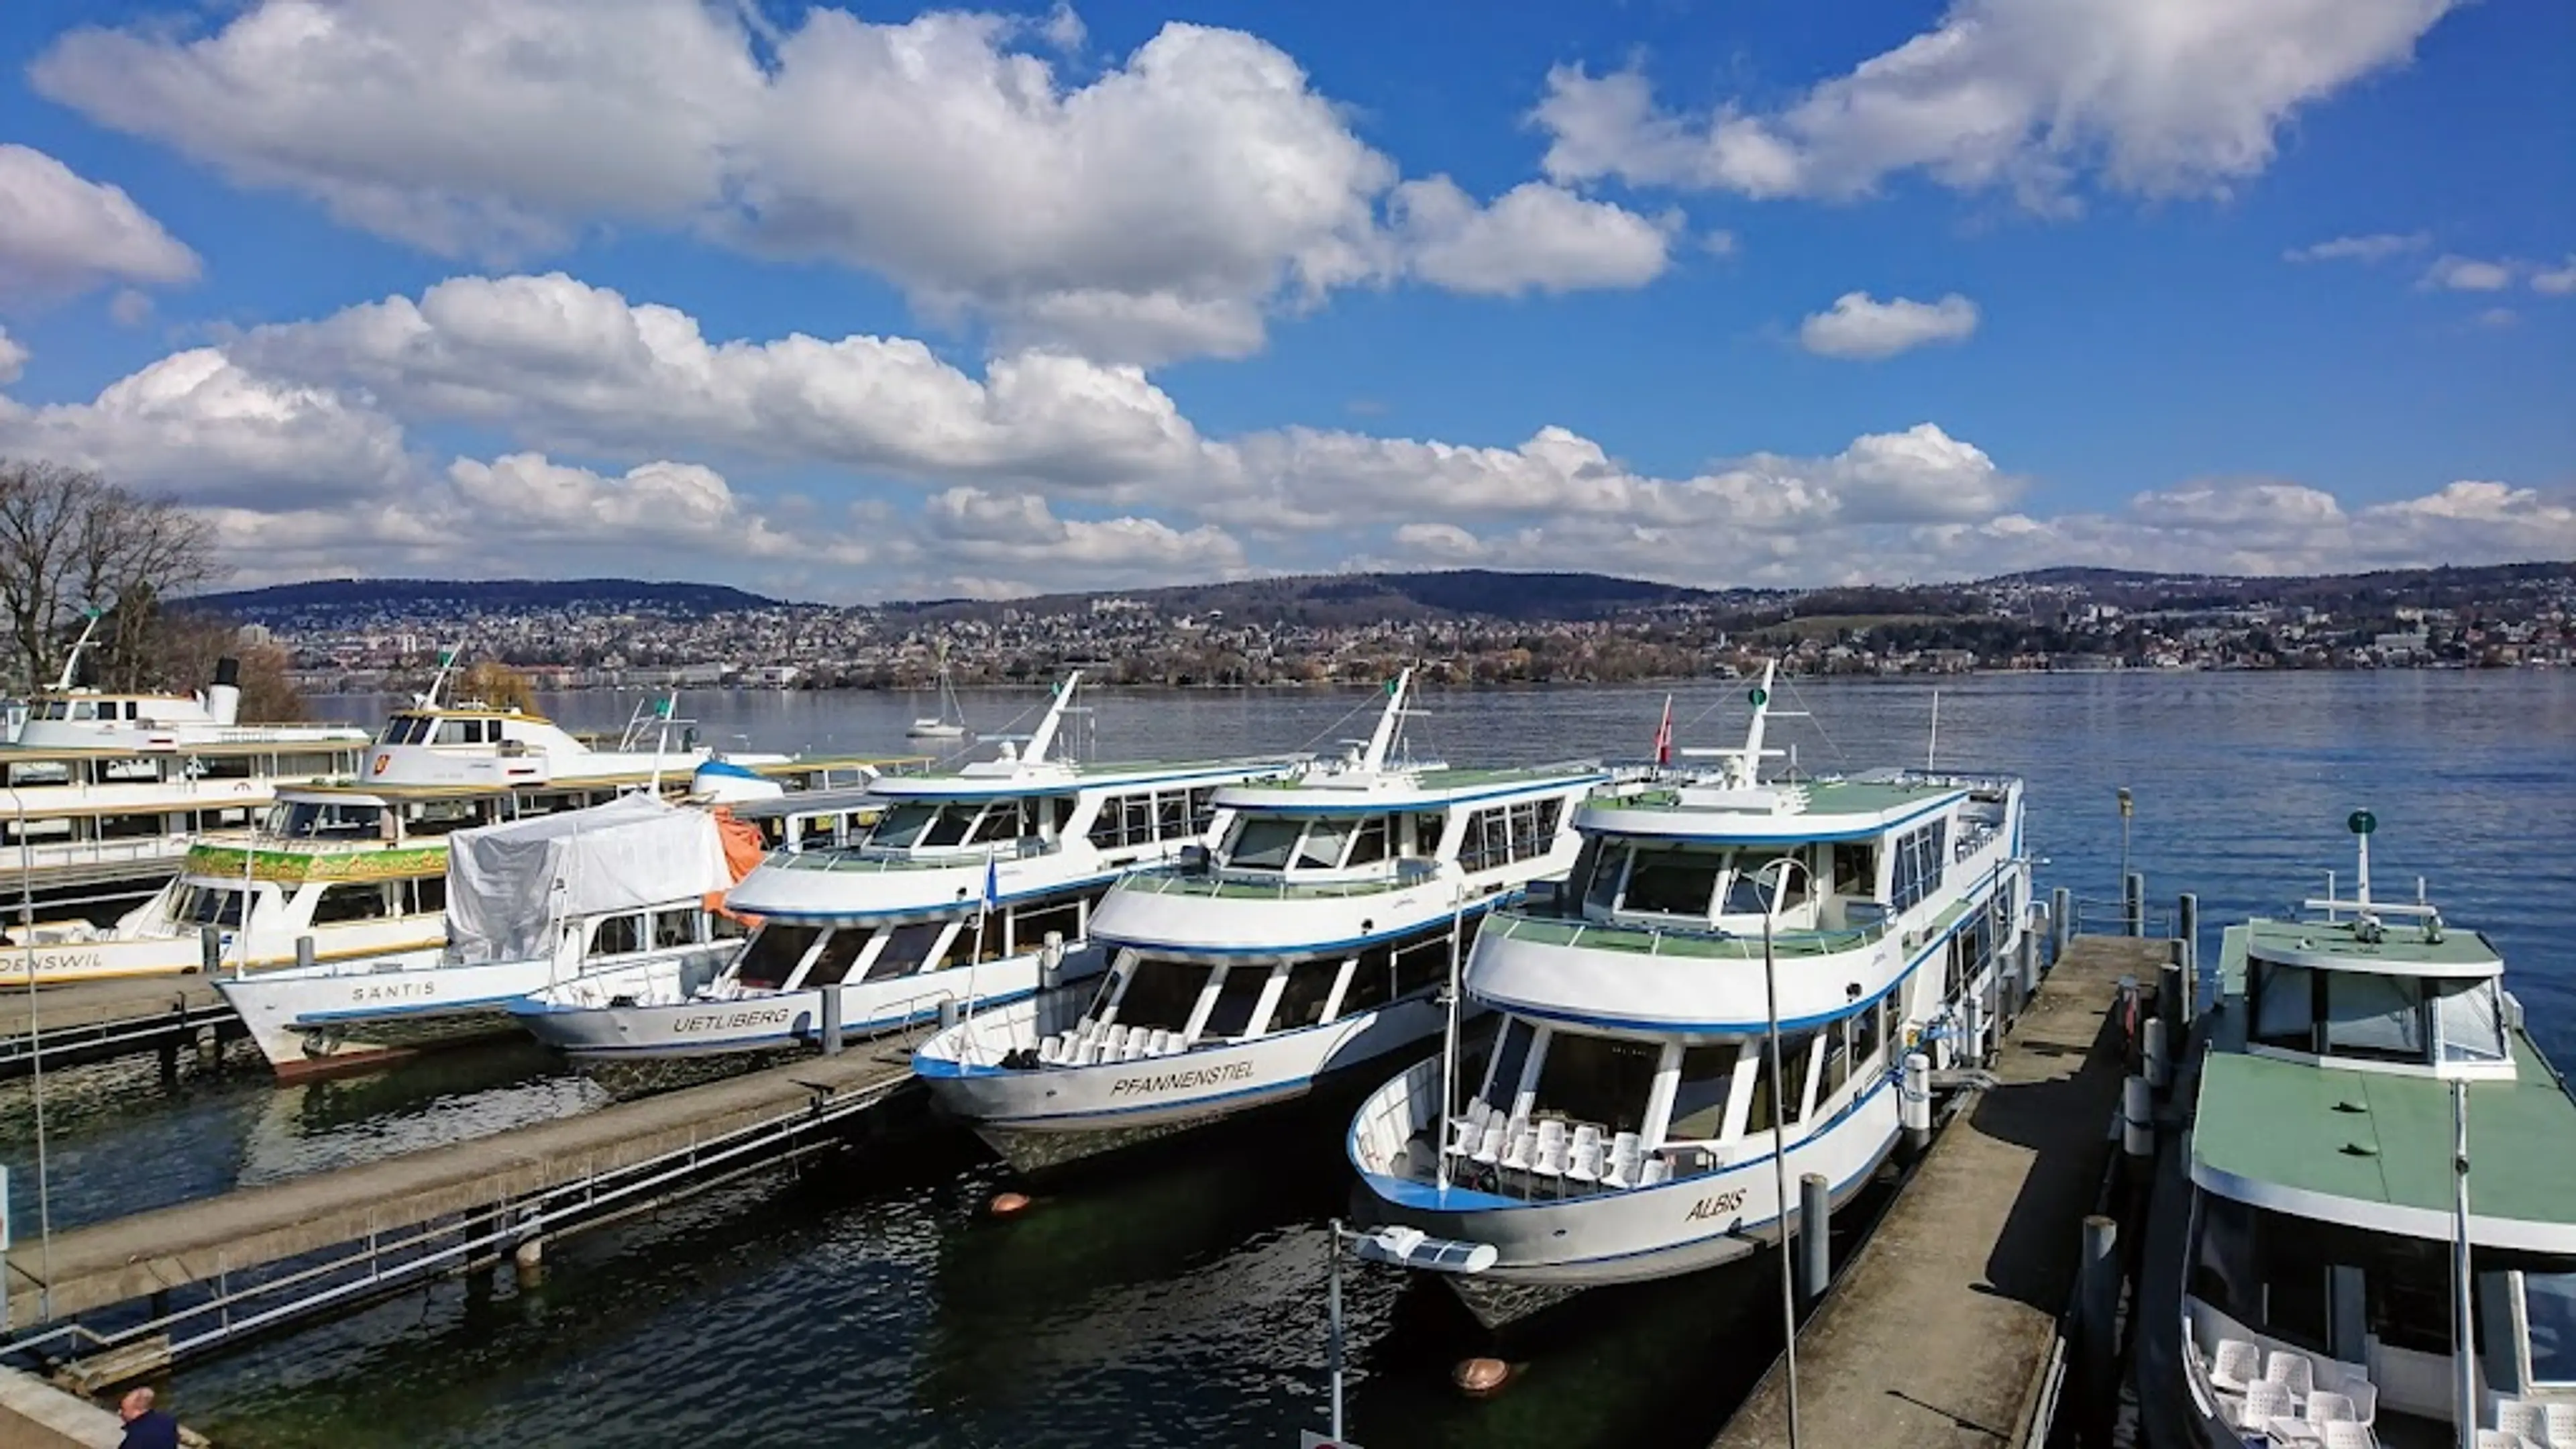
[[1373, 759], [2464, 1361], [446, 666], [71, 661], [1043, 737]]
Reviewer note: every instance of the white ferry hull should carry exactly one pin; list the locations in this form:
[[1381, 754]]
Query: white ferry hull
[[759, 1021], [1550, 1249], [343, 1015], [1046, 1117]]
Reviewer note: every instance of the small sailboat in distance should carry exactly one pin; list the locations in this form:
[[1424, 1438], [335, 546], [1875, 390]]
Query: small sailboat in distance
[[950, 722]]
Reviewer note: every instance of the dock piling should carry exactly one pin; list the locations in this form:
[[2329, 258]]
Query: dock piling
[[1815, 1237], [2097, 1308], [2159, 1062], [1914, 1101], [2138, 1120], [528, 1261], [210, 947], [832, 1020], [2061, 922], [2133, 903], [304, 952], [2187, 931]]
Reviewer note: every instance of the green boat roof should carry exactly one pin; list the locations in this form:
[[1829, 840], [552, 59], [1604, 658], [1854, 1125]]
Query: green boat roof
[[2372, 1149], [2402, 946]]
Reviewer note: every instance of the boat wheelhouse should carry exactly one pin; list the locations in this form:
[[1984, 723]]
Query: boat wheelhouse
[[359, 865], [2373, 1119], [527, 902], [1313, 942], [1621, 1120], [104, 790], [967, 891]]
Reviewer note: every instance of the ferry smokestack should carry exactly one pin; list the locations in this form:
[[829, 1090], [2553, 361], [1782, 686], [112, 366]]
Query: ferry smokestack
[[223, 697]]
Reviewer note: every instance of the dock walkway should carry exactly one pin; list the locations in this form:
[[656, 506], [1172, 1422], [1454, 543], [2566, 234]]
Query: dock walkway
[[91, 1021], [201, 1242], [1938, 1333]]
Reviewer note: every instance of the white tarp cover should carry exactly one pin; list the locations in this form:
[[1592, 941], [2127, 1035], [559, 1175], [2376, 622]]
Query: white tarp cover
[[632, 852]]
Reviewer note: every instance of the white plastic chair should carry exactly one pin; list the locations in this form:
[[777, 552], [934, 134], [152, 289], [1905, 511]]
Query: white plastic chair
[[2264, 1402], [1051, 1050], [2236, 1364], [2365, 1401], [1657, 1172], [1134, 1048], [1583, 1161], [2344, 1434], [2562, 1424], [2293, 1371], [1550, 1161], [2523, 1419], [1464, 1134], [1622, 1170], [1489, 1148], [1523, 1141], [1157, 1042], [2499, 1439], [1090, 1053], [2326, 1408]]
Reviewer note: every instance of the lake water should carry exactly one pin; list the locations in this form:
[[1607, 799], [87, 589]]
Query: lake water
[[1182, 1303]]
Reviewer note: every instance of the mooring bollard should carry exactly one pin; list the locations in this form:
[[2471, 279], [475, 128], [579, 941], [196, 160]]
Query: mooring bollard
[[2159, 1063], [2097, 1306], [2061, 922], [2187, 930], [1815, 1237], [2030, 964], [2133, 903], [1914, 1101], [2137, 1119], [210, 947], [304, 952], [832, 1020], [2169, 991]]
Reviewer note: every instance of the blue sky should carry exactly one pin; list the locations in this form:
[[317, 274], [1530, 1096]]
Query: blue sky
[[860, 304]]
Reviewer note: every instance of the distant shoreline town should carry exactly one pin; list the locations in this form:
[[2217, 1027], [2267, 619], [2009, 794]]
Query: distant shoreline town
[[1459, 628]]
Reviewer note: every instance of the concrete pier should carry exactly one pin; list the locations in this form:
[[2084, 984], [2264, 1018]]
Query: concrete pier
[[199, 1242], [93, 1021], [1940, 1331]]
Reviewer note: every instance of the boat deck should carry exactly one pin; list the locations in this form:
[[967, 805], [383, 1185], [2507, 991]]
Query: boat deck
[[198, 1242], [1938, 1333]]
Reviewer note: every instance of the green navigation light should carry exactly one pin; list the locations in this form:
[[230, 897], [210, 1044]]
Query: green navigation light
[[2361, 822]]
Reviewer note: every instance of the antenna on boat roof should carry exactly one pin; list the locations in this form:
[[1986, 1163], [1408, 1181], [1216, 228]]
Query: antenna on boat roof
[[1743, 767], [1390, 723], [1042, 738], [71, 663], [1934, 742]]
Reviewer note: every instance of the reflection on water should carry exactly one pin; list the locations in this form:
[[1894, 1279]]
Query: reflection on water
[[1181, 1303]]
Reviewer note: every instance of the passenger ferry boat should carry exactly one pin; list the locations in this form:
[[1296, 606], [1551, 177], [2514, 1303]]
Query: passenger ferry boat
[[2383, 1167], [528, 902], [104, 791], [1313, 943], [954, 896], [360, 864], [1623, 1123]]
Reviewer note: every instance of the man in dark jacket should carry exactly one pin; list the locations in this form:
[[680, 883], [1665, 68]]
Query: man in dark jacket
[[145, 1426]]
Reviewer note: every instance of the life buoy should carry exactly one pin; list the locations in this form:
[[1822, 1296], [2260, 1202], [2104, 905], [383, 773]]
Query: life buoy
[[381, 762]]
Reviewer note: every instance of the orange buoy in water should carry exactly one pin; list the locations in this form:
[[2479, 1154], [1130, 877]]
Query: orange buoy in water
[[1010, 1204], [1478, 1377]]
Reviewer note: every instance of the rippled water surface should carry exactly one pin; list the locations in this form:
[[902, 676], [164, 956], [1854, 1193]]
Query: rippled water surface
[[1180, 1302]]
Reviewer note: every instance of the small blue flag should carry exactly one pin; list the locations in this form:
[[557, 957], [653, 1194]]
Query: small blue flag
[[992, 881]]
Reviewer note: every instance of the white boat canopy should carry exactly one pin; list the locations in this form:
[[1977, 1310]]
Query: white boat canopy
[[508, 884]]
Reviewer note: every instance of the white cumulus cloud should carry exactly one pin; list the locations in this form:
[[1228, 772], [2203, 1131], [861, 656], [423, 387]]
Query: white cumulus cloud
[[2156, 99], [2469, 274], [1860, 326], [13, 358], [2556, 281], [61, 232], [2375, 247], [1535, 237]]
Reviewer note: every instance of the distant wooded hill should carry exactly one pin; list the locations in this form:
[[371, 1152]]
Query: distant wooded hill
[[463, 596]]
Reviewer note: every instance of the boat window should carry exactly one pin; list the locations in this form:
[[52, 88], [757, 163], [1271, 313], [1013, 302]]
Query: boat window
[[1162, 994], [1855, 869], [773, 953], [1171, 814], [1672, 882], [842, 947], [1503, 1083], [39, 772], [1427, 828], [949, 827], [428, 895], [1202, 809], [999, 822], [1236, 995], [1368, 845], [83, 709], [2466, 1021], [902, 826], [722, 927], [1322, 847], [1308, 992], [2549, 1307], [2285, 1011], [1744, 895], [1262, 842], [617, 936], [675, 928], [1920, 857], [1424, 965], [1866, 1034], [1372, 983], [1837, 1062], [1699, 1096], [353, 901], [1598, 1079], [325, 820], [131, 827], [2370, 1015], [197, 905], [1031, 922], [1795, 1048], [1603, 891]]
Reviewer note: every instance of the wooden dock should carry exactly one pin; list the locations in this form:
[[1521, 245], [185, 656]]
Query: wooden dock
[[1939, 1331], [201, 1243], [81, 1022]]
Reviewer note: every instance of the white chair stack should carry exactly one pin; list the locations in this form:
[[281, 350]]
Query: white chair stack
[[1657, 1171], [2344, 1434], [2295, 1372], [2526, 1421], [1489, 1146], [2235, 1365], [1550, 1161], [1624, 1151], [1584, 1160], [2264, 1402], [1524, 1141]]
